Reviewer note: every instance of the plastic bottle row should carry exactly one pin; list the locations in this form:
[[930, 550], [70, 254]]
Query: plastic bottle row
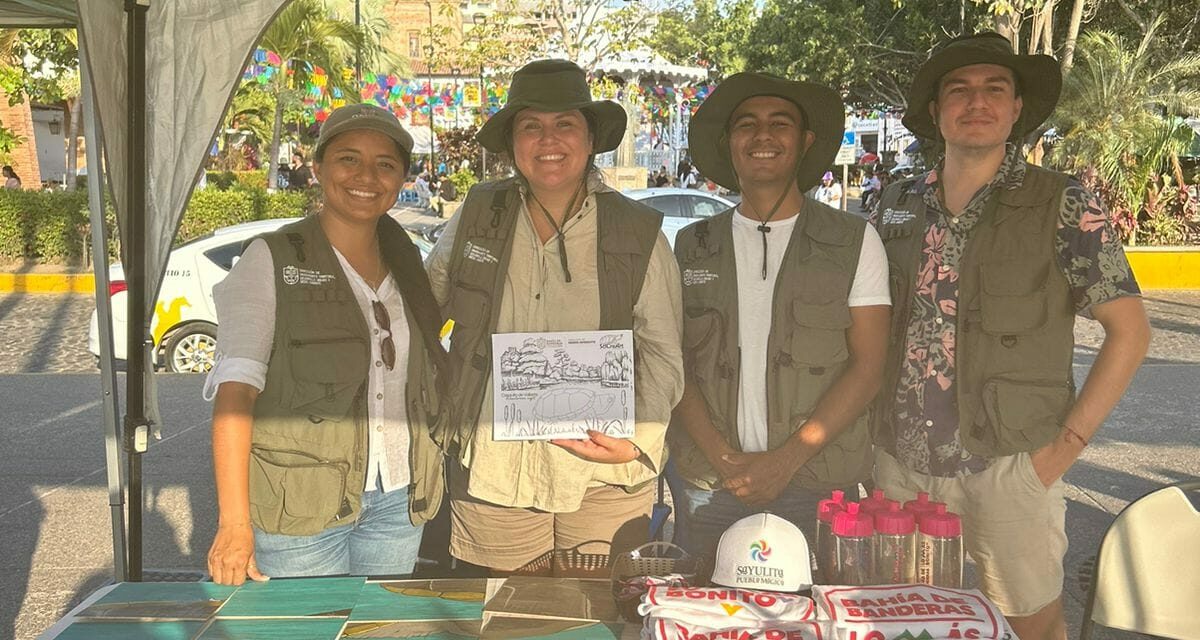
[[876, 541]]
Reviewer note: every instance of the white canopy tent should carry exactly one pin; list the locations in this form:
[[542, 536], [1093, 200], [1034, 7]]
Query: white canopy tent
[[156, 79]]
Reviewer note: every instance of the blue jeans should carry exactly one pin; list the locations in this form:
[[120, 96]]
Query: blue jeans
[[701, 516], [382, 542]]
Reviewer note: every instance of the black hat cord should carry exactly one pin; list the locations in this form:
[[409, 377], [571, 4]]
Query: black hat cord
[[763, 228], [559, 229]]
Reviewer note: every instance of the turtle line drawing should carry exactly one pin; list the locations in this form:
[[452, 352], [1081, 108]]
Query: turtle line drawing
[[567, 404]]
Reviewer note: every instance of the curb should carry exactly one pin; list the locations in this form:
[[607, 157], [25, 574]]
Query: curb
[[47, 283], [1165, 267], [1154, 268]]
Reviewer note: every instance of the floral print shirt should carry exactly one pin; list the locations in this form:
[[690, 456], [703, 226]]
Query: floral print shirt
[[1090, 255]]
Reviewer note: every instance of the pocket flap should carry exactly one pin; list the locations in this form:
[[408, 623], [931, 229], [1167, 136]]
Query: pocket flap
[[821, 315], [1025, 414]]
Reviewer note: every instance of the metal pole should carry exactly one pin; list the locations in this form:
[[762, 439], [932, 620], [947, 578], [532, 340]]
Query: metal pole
[[357, 46], [429, 76], [108, 374], [483, 105], [136, 429], [845, 179]]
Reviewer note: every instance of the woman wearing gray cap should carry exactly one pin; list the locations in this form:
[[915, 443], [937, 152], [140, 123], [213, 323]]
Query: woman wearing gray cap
[[325, 378]]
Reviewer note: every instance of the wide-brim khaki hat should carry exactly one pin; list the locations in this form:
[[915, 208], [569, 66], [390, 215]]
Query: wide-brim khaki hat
[[554, 86], [362, 116], [824, 115], [1039, 76]]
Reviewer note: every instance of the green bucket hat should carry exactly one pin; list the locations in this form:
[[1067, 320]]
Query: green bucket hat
[[554, 85], [824, 115], [1039, 77]]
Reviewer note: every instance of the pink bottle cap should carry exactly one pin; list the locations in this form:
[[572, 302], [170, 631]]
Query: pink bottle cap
[[852, 523], [921, 506], [876, 502], [826, 508], [895, 521], [941, 524]]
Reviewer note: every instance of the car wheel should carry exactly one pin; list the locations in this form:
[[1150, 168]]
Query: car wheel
[[192, 349]]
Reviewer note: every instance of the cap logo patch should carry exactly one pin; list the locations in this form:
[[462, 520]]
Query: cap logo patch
[[760, 551]]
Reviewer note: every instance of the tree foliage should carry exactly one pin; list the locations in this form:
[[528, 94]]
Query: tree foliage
[[1117, 115], [705, 33]]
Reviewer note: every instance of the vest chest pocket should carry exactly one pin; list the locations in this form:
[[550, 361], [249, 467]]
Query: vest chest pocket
[[294, 492], [1013, 298], [328, 366], [819, 332], [470, 309], [703, 334]]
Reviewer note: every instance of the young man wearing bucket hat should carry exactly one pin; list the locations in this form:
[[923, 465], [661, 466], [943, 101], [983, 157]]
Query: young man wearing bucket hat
[[554, 249], [785, 317], [991, 259]]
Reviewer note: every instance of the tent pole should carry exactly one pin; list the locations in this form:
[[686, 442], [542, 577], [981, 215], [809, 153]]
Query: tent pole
[[136, 428], [108, 375]]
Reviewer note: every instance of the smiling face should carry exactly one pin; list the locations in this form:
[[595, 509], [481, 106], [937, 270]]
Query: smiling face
[[976, 106], [551, 149], [361, 173], [767, 139]]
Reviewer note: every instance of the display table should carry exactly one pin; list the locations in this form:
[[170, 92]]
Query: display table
[[317, 608]]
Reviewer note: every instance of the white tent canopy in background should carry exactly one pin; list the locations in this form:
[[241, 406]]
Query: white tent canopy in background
[[195, 51]]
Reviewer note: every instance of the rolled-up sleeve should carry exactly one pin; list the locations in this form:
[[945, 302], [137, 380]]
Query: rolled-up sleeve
[[657, 332], [245, 302]]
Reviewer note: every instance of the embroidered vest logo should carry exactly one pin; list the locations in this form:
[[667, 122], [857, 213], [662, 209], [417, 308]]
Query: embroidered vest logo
[[896, 216], [291, 275], [692, 277], [476, 253]]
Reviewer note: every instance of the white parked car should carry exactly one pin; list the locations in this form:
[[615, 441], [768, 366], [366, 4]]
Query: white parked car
[[184, 326], [680, 207]]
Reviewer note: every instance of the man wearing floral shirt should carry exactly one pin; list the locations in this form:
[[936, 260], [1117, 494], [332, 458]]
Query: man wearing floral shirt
[[991, 259]]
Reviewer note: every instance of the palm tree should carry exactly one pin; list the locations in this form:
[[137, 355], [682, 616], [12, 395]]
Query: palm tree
[[305, 37], [1118, 114]]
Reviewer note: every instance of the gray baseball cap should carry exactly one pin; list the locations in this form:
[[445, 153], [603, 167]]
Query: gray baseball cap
[[362, 116]]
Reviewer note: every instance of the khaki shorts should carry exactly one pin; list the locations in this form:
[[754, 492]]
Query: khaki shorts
[[1013, 527], [609, 521]]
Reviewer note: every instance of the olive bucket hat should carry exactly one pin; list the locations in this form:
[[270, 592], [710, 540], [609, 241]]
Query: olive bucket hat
[[362, 116], [554, 85], [1038, 77], [824, 115]]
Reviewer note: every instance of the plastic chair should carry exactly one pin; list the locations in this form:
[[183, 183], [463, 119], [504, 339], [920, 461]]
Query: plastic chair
[[1146, 571]]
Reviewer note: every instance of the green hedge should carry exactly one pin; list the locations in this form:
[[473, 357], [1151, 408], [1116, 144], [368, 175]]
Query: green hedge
[[53, 226], [49, 226], [256, 179]]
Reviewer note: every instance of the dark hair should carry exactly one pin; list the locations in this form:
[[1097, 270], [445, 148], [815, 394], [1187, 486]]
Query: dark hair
[[8, 171]]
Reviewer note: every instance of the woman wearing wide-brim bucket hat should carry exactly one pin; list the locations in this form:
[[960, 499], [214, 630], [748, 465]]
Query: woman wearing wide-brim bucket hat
[[822, 109], [554, 249], [1038, 81]]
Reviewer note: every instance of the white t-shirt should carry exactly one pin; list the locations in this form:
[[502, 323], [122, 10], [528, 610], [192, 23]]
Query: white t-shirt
[[831, 195], [756, 299], [245, 302]]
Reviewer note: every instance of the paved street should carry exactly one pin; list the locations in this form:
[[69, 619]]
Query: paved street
[[54, 515]]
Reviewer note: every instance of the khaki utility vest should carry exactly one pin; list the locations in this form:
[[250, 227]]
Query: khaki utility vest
[[806, 349], [1015, 321], [627, 231], [308, 455]]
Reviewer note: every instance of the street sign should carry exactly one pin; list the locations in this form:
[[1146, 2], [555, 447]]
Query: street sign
[[845, 153]]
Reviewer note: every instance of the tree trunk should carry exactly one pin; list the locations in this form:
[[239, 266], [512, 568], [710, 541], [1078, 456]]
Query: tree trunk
[[1072, 35], [74, 116], [1009, 26], [276, 134]]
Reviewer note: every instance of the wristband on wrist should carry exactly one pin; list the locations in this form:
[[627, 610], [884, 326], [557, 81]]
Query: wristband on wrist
[[1073, 433]]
